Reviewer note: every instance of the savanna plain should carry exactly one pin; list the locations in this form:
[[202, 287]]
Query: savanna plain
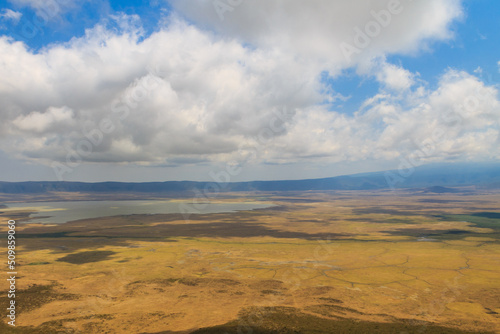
[[405, 261]]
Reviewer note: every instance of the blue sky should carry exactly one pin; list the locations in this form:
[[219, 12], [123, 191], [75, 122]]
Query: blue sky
[[73, 20], [214, 85]]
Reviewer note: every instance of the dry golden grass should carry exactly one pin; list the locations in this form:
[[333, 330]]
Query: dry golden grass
[[371, 256]]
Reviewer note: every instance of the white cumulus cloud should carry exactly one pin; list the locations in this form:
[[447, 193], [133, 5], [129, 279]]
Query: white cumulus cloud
[[318, 29], [246, 88], [9, 14]]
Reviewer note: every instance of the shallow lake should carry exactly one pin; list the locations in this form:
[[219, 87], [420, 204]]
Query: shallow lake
[[62, 212]]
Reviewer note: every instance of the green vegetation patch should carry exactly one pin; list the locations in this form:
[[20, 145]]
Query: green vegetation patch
[[397, 221], [44, 235], [43, 329], [35, 296], [440, 234], [288, 320], [331, 300], [331, 310], [86, 257], [53, 326], [491, 215], [480, 219]]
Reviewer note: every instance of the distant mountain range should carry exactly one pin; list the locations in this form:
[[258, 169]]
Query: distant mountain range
[[435, 178]]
